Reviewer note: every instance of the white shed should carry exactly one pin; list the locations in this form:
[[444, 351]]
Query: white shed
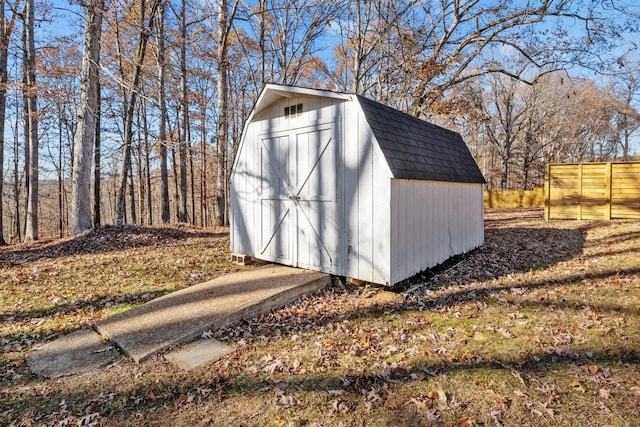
[[341, 184]]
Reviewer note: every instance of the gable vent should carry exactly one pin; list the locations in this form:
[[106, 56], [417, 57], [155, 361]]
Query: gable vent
[[292, 111]]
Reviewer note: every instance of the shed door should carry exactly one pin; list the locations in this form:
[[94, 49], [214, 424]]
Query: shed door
[[298, 174]]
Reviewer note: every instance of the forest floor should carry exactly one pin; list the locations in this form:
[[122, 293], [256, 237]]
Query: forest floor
[[540, 326]]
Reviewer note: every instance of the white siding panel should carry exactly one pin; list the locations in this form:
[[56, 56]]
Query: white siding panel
[[242, 195], [367, 203], [446, 216], [365, 207], [350, 197], [402, 232], [380, 224], [430, 212], [366, 186], [413, 227]]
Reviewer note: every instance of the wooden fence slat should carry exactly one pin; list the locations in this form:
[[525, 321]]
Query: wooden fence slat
[[547, 191], [607, 206]]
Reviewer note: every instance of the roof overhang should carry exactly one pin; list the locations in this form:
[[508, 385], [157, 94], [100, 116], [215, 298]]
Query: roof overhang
[[273, 93]]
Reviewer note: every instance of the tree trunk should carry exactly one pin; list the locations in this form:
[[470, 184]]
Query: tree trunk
[[149, 194], [132, 192], [263, 7], [162, 131], [192, 184], [222, 112], [6, 27], [141, 132], [357, 56], [97, 180], [184, 108], [204, 199], [16, 179], [31, 119], [60, 173], [147, 168], [87, 129], [176, 193], [504, 178]]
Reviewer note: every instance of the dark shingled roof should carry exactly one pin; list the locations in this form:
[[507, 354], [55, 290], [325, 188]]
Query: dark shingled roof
[[416, 149]]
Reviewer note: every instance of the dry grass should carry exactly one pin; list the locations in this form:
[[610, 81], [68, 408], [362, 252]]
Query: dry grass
[[539, 327]]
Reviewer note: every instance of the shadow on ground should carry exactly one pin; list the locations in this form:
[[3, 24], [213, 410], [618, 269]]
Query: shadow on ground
[[104, 240]]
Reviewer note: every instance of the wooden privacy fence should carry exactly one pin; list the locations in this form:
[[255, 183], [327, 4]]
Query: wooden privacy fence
[[514, 198], [592, 191]]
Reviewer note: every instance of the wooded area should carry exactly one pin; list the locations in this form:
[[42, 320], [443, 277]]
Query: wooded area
[[130, 111]]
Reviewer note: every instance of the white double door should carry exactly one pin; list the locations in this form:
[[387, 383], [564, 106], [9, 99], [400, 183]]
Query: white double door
[[298, 196]]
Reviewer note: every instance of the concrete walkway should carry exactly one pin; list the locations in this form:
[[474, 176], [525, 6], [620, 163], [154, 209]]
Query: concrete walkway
[[177, 318]]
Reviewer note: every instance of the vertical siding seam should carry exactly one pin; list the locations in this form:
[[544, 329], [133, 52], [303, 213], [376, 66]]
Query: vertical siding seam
[[374, 236]]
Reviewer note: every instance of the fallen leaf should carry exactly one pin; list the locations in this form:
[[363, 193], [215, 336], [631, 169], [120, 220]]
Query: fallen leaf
[[495, 416], [466, 422], [593, 368], [374, 396], [577, 386], [505, 333], [604, 408], [536, 412], [604, 393], [432, 415], [181, 400], [287, 401], [635, 390], [419, 403], [498, 397], [341, 406]]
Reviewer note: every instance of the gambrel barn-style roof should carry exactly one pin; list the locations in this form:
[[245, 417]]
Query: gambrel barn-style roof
[[417, 149]]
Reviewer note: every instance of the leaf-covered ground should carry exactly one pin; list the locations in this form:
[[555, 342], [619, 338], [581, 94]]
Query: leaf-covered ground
[[540, 326]]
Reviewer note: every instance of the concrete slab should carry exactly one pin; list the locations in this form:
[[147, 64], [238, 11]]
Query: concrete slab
[[198, 353], [182, 316], [80, 351]]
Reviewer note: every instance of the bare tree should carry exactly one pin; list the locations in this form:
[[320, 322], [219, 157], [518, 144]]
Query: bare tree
[[184, 110], [292, 35], [504, 120], [97, 168], [162, 125], [7, 24], [625, 87], [454, 35], [86, 134], [225, 20], [31, 121], [367, 46], [146, 18]]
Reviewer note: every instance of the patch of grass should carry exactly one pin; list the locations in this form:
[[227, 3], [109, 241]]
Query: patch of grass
[[540, 326]]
